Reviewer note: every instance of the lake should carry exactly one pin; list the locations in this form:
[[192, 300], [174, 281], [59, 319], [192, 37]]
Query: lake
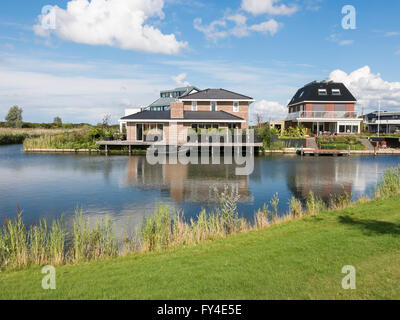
[[128, 188]]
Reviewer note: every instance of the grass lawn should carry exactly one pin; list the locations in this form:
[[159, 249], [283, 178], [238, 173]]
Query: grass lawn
[[301, 259]]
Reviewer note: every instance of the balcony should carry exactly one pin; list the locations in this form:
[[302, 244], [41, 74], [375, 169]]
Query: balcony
[[322, 115]]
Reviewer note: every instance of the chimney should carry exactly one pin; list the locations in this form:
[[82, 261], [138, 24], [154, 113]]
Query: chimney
[[177, 110]]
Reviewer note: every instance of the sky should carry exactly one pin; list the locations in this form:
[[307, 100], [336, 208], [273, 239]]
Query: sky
[[82, 59]]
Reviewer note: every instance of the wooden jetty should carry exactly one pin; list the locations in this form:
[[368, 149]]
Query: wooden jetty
[[320, 152]]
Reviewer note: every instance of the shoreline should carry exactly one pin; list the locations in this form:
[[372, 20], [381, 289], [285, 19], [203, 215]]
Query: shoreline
[[284, 151], [281, 261]]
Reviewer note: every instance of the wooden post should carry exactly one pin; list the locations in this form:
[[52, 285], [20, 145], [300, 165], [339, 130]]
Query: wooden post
[[106, 149]]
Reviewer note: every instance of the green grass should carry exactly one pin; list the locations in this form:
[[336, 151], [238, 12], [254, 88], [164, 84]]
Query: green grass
[[299, 259]]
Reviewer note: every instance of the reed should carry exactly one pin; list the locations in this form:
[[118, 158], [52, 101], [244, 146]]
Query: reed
[[22, 245], [390, 184]]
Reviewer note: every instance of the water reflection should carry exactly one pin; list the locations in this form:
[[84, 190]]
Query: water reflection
[[49, 185], [186, 183]]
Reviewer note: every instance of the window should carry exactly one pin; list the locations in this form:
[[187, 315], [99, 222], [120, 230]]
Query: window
[[322, 92], [213, 106], [194, 105], [301, 94], [236, 106], [139, 132], [336, 92]]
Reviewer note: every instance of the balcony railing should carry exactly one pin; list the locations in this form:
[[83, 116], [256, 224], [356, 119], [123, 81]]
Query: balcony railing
[[322, 115]]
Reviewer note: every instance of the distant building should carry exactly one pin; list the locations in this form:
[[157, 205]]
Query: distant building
[[169, 96], [387, 122], [325, 107]]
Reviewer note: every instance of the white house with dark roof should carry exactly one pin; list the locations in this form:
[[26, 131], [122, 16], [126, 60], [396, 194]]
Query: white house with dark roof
[[206, 109], [325, 107]]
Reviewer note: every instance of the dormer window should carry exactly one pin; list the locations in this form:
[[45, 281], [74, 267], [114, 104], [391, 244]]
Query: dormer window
[[336, 92], [322, 92]]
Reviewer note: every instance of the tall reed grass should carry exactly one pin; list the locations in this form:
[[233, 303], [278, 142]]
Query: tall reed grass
[[40, 244]]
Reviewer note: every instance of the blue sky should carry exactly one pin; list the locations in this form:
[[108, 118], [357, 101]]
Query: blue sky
[[104, 57]]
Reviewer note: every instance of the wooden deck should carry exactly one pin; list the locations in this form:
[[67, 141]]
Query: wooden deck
[[197, 144], [131, 144], [320, 152]]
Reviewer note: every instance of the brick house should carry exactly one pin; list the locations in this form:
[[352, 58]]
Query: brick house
[[206, 109], [325, 107]]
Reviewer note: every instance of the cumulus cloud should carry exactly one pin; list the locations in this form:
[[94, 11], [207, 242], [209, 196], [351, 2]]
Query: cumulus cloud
[[180, 80], [270, 26], [369, 88], [271, 7], [269, 110], [219, 29], [118, 23]]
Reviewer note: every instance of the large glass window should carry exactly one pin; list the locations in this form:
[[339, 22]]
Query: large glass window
[[194, 105], [139, 132], [213, 106]]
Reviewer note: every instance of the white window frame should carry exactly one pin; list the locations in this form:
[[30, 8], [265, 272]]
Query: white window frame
[[194, 105], [216, 105], [336, 92], [238, 106], [322, 92]]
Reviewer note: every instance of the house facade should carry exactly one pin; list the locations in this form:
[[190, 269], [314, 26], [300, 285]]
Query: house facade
[[193, 112], [325, 107], [384, 122]]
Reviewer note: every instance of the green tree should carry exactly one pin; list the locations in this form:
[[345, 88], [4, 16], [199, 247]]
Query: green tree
[[57, 121], [14, 117]]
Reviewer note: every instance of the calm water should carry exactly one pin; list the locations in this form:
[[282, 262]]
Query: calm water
[[49, 185]]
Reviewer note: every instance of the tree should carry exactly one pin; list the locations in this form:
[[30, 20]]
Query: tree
[[106, 121], [259, 119], [57, 121], [14, 117]]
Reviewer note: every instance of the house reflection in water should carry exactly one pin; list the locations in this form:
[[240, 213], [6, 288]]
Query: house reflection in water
[[326, 178], [186, 183]]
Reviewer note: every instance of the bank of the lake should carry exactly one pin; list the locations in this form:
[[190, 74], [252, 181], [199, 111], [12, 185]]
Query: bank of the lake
[[300, 259]]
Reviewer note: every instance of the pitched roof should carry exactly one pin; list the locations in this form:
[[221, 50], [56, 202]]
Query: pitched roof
[[209, 115], [310, 93], [162, 102], [149, 115], [216, 94], [188, 115]]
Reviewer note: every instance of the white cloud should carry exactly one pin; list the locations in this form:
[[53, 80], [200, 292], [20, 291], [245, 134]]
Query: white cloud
[[398, 52], [346, 42], [392, 34], [219, 29], [334, 37], [269, 110], [179, 80], [78, 92], [118, 23], [271, 7], [270, 26], [211, 31], [369, 88]]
